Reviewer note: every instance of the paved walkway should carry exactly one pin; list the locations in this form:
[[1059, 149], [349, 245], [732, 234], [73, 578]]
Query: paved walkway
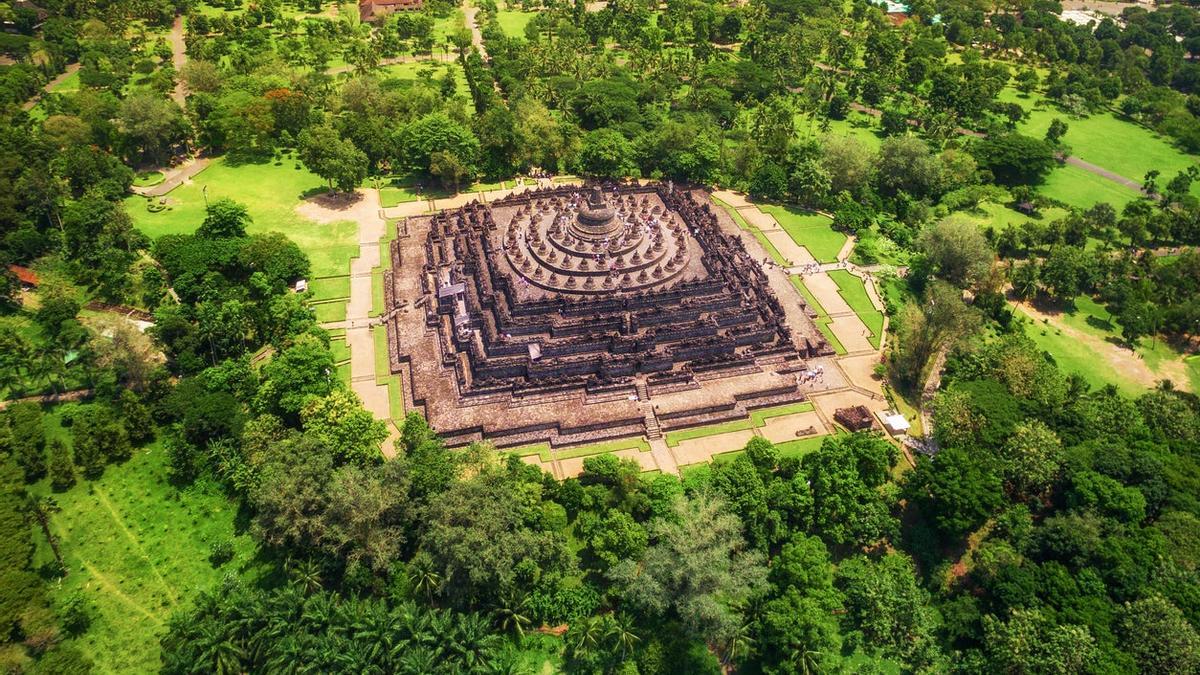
[[71, 68], [174, 177], [178, 59]]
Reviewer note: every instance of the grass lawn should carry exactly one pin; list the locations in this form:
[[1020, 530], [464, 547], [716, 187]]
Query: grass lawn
[[857, 125], [1075, 356], [797, 448], [822, 320], [761, 238], [271, 193], [148, 178], [330, 288], [543, 450], [1106, 140], [333, 310], [69, 84], [137, 548], [384, 376], [340, 350], [513, 22], [392, 195], [1075, 187], [811, 230], [854, 292], [999, 217]]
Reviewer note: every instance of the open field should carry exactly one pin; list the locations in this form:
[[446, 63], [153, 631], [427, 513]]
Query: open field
[[776, 256], [137, 549], [1105, 139], [756, 419], [1087, 341], [810, 230], [1073, 186], [513, 22], [271, 193]]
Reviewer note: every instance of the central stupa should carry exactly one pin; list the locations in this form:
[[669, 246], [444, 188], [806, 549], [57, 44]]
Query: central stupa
[[596, 220]]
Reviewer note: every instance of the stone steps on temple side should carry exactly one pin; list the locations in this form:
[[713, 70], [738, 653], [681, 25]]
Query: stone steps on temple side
[[653, 430]]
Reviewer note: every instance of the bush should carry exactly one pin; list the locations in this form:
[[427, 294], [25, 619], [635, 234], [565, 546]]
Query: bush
[[76, 614], [220, 552]]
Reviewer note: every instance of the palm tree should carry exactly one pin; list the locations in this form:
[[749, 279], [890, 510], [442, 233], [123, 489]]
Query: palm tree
[[424, 578], [42, 508], [584, 636], [511, 615], [622, 635], [221, 654], [305, 574]]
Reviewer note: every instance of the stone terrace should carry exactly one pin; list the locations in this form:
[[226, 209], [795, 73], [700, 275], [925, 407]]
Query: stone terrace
[[557, 314]]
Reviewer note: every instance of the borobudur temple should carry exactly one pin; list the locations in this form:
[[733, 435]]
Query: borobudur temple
[[571, 315]]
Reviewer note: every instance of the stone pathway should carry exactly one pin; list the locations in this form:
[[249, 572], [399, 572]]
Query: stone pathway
[[358, 324], [174, 177]]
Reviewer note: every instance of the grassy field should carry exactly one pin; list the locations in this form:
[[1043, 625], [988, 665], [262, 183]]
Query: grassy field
[[1105, 139], [137, 548], [761, 238], [271, 193], [1074, 355], [854, 292], [811, 230], [1075, 187], [1000, 217], [543, 450], [330, 288], [797, 448], [513, 22], [822, 320], [384, 376]]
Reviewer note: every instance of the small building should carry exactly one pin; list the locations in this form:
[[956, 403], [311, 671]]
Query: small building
[[856, 418], [25, 276], [301, 285], [374, 10], [894, 423]]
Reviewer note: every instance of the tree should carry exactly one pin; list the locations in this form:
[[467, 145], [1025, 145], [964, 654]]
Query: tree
[[696, 569], [98, 437], [1014, 159], [906, 164], [485, 540], [1028, 642], [332, 157], [151, 125], [957, 251], [955, 490], [849, 163], [26, 438], [224, 219], [349, 430], [1158, 636], [844, 476], [797, 635], [62, 469], [1030, 459], [1056, 131], [418, 142], [885, 602], [607, 154], [303, 369]]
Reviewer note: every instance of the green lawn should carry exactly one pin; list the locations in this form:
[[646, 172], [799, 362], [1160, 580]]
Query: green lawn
[[333, 310], [811, 230], [393, 195], [542, 450], [999, 217], [330, 288], [755, 232], [1106, 140], [854, 292], [1074, 356], [137, 548], [513, 22], [857, 125], [69, 85], [271, 193], [822, 319], [1075, 187], [384, 375]]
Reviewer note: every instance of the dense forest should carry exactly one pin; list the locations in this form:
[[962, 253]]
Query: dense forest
[[1055, 530]]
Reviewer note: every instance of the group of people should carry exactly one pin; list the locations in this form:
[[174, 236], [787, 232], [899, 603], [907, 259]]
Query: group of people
[[811, 376]]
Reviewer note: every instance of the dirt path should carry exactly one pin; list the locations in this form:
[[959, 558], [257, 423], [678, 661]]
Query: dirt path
[[178, 59], [71, 68], [470, 12], [1118, 358]]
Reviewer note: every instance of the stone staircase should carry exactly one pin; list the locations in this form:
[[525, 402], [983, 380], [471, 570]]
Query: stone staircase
[[653, 431], [643, 392]]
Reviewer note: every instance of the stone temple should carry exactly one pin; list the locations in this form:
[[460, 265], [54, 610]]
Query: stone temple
[[572, 315]]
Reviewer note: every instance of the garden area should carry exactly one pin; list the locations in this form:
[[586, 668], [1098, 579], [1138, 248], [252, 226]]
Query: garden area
[[271, 193], [137, 549]]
